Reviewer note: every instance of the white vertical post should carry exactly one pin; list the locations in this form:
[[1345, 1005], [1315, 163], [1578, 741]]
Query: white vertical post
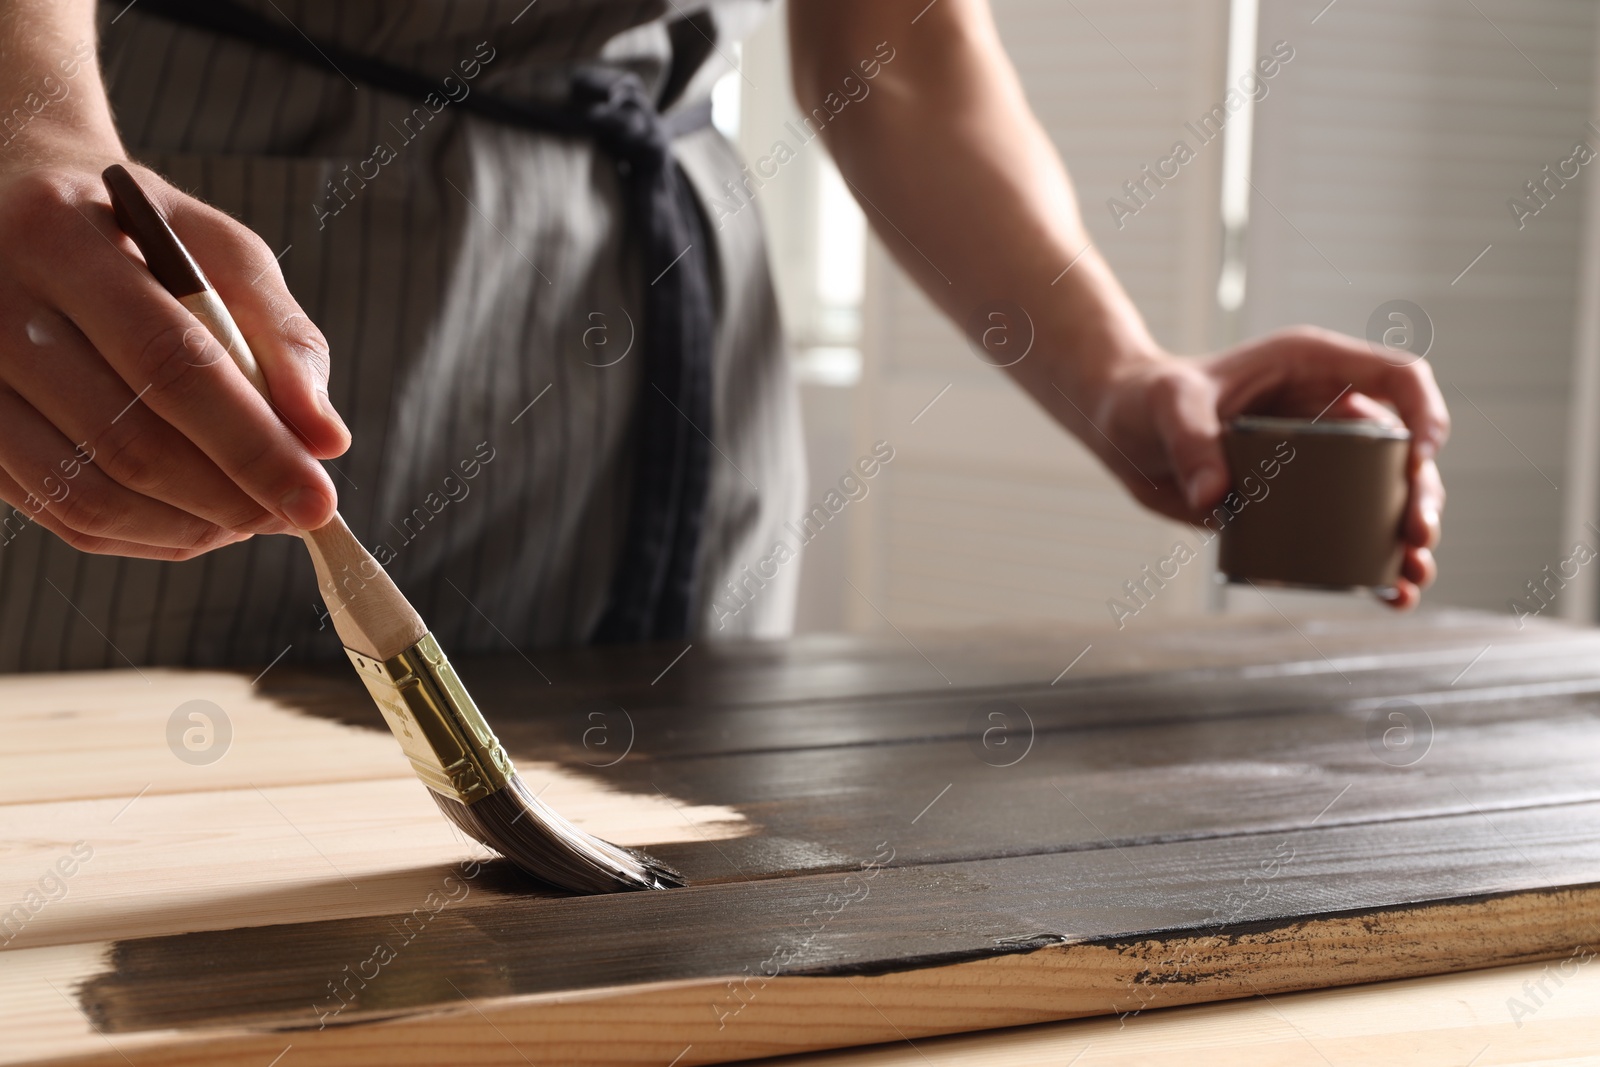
[[1582, 480], [1234, 214], [1237, 140]]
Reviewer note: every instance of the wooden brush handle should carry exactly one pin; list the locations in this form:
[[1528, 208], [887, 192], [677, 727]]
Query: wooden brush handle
[[368, 611]]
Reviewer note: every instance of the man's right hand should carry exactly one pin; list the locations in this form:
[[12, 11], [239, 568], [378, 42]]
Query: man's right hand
[[125, 428], [99, 363]]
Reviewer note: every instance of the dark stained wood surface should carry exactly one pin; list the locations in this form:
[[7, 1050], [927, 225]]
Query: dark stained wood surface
[[1101, 761], [906, 918], [1189, 813]]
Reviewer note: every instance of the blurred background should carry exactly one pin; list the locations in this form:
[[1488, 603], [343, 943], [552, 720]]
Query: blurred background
[[1386, 162]]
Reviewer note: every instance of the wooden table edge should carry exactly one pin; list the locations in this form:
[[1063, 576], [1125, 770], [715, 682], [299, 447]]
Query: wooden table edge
[[749, 1016]]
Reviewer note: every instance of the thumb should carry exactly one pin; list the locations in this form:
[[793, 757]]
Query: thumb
[[292, 352], [1184, 411]]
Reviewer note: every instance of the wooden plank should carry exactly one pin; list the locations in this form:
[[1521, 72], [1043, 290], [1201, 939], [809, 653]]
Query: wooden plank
[[988, 907], [1101, 789], [1115, 787], [823, 667], [312, 740], [1202, 806], [254, 857], [1444, 1021], [692, 722], [1077, 788], [518, 964]]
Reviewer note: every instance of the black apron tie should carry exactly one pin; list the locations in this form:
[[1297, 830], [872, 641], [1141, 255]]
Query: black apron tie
[[652, 594]]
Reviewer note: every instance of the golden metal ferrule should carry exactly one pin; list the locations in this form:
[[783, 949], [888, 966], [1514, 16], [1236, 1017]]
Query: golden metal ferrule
[[437, 724]]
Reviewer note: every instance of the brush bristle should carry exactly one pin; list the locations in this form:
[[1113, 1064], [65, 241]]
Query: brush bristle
[[515, 824]]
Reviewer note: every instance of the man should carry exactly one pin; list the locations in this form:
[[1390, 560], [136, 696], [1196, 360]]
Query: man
[[458, 246]]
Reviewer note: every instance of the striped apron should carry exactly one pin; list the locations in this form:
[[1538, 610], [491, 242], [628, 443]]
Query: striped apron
[[480, 294]]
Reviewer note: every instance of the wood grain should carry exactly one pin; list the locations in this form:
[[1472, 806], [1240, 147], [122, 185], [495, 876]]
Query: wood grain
[[1474, 1018], [1183, 826], [714, 1021]]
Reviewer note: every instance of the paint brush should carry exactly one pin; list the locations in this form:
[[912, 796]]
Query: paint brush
[[439, 728]]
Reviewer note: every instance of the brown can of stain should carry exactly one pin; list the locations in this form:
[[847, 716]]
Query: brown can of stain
[[1315, 502]]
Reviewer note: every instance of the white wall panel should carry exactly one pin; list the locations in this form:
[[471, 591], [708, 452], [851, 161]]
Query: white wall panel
[[989, 510], [1391, 148]]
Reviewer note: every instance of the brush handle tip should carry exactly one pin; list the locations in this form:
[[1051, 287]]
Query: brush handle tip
[[148, 228]]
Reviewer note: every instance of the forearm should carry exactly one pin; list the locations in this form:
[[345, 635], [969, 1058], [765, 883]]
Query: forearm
[[52, 102], [966, 191]]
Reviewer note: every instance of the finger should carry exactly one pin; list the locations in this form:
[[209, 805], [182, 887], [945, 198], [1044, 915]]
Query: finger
[[1183, 408], [1354, 405], [1417, 571], [75, 492], [54, 369], [26, 508], [1425, 499], [1419, 567], [1422, 518], [142, 332], [1403, 597], [292, 352], [1310, 358]]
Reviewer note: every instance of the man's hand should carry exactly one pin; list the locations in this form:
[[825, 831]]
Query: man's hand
[[124, 426], [1162, 416], [983, 212]]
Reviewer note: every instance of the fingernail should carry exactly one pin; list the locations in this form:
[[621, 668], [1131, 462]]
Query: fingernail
[[1430, 519], [1427, 448], [332, 415], [305, 507]]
